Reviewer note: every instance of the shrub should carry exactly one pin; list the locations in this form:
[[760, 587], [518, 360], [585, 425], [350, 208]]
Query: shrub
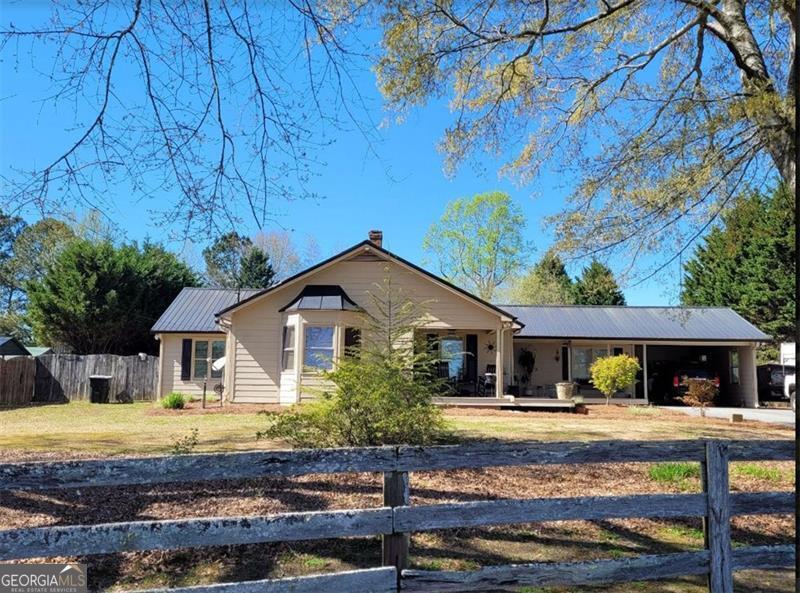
[[173, 401], [380, 394], [185, 444], [701, 393], [614, 373]]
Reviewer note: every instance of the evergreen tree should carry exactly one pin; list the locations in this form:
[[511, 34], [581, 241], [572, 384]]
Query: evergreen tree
[[749, 263], [255, 270], [546, 283], [597, 286], [224, 259], [97, 298]]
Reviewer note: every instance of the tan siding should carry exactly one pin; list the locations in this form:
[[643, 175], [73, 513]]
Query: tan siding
[[257, 327], [170, 375]]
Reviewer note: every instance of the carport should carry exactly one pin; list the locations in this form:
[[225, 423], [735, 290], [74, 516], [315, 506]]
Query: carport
[[732, 363], [566, 339]]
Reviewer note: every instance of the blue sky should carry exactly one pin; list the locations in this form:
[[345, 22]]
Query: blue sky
[[401, 191]]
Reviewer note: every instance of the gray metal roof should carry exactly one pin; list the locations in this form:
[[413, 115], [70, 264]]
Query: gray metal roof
[[194, 308], [711, 324]]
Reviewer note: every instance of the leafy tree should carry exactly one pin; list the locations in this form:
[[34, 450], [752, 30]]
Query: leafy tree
[[10, 228], [478, 242], [381, 393], [99, 298], [256, 271], [597, 286], [749, 263], [611, 374], [546, 283], [34, 248], [283, 255], [224, 259], [662, 111]]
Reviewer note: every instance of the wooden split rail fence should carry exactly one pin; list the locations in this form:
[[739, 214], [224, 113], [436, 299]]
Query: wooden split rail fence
[[398, 518]]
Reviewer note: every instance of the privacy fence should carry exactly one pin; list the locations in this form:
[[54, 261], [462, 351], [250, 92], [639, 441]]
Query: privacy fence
[[57, 378], [398, 518]]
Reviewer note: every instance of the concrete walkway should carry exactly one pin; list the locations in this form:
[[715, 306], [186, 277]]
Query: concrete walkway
[[771, 415]]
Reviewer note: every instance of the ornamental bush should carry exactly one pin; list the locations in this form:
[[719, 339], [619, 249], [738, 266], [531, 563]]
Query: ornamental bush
[[614, 373], [700, 393], [173, 401]]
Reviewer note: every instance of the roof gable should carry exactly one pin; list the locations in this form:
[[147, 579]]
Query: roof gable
[[371, 251]]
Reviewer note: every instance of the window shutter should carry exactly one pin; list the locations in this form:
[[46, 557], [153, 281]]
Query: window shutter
[[186, 360], [472, 357], [564, 363]]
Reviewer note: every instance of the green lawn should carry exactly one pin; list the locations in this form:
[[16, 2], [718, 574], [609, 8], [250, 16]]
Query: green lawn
[[113, 429], [145, 428]]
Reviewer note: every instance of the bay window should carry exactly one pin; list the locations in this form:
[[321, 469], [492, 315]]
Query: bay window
[[288, 348], [318, 348]]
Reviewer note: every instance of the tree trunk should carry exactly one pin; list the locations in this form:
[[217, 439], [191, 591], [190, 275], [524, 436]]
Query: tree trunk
[[776, 125]]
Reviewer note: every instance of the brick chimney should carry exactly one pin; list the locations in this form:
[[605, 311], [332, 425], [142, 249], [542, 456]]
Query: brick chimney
[[376, 237]]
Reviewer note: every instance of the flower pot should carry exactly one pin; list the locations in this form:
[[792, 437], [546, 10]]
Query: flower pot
[[564, 390]]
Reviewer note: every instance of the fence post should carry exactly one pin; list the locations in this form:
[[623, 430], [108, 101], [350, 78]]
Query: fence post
[[395, 545], [720, 578]]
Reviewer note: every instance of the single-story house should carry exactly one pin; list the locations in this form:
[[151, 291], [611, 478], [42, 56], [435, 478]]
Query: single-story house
[[10, 347], [275, 341]]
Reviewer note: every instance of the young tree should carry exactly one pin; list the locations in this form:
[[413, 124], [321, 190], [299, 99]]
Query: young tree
[[597, 286], [381, 392], [224, 260], [546, 283], [478, 242], [749, 262], [97, 298], [611, 374], [256, 271], [662, 111]]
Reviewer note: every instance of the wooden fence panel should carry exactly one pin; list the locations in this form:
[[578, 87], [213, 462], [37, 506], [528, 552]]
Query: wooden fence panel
[[370, 580], [65, 377], [17, 377], [397, 518], [191, 533]]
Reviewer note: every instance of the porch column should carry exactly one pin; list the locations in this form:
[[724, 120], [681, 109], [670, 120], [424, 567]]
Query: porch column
[[644, 374], [498, 355]]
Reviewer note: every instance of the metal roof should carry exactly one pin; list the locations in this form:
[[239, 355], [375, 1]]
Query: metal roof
[[194, 308], [709, 324], [331, 297], [10, 345]]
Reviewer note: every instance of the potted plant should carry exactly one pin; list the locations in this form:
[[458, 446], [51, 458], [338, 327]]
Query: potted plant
[[526, 360]]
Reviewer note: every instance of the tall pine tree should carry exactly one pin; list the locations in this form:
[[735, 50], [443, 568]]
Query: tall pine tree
[[255, 270], [749, 263], [597, 286]]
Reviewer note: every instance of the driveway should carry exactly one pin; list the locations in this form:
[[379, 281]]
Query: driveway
[[771, 415]]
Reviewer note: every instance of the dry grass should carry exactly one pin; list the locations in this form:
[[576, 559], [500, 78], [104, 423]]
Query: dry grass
[[80, 430]]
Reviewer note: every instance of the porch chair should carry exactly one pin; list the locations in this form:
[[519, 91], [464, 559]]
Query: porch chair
[[485, 382]]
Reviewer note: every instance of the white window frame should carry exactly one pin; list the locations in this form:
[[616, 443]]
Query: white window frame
[[289, 347], [334, 347], [209, 358]]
